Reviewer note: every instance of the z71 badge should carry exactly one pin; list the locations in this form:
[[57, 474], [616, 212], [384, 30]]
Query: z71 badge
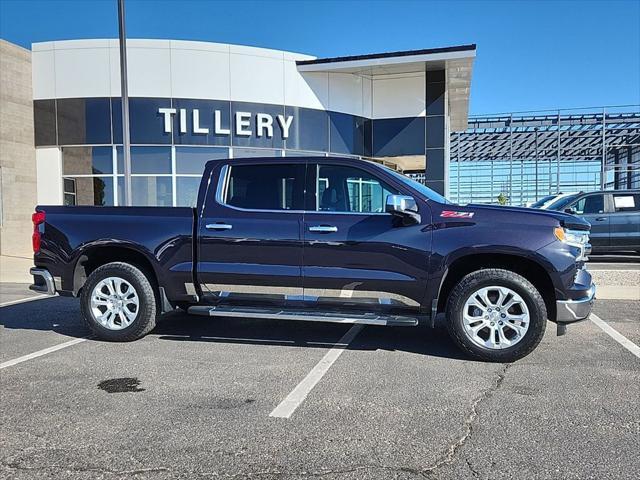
[[452, 214]]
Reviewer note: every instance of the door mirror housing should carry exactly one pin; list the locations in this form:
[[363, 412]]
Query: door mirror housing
[[570, 210], [403, 206]]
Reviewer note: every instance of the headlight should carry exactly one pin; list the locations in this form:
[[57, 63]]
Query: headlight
[[575, 238]]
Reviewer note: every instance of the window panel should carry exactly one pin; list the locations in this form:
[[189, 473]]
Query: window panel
[[626, 202], [266, 187], [192, 160], [206, 119], [346, 133], [255, 152], [145, 160], [309, 130], [187, 191], [88, 191], [83, 121], [259, 137], [348, 189], [87, 160], [44, 120], [148, 191], [589, 205], [146, 123]]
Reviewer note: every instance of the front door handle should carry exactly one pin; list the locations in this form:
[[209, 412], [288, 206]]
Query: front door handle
[[601, 219], [323, 229], [218, 226]]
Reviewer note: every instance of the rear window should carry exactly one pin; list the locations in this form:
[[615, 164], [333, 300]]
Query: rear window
[[626, 202], [266, 187]]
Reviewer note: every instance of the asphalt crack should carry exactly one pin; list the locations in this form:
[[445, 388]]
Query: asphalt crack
[[450, 455]]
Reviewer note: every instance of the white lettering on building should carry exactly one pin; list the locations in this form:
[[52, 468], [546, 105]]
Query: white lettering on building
[[243, 121], [264, 124]]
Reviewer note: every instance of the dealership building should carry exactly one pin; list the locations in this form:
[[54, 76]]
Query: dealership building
[[195, 101], [190, 102]]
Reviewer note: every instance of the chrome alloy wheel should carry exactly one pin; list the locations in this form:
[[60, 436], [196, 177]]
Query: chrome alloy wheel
[[495, 317], [114, 303]]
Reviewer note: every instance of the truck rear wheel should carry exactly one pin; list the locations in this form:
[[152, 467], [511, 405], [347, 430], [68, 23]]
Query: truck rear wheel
[[118, 303], [496, 315]]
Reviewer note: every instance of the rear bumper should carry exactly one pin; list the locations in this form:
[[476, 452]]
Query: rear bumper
[[569, 311], [42, 281]]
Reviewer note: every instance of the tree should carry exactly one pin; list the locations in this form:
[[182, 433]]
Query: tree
[[502, 199]]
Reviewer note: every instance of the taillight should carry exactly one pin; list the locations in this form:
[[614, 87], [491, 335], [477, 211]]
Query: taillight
[[37, 218]]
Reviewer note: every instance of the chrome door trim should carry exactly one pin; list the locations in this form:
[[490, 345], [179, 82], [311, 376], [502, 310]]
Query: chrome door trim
[[323, 229], [218, 226]]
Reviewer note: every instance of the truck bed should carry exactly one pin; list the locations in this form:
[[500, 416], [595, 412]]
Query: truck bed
[[162, 235]]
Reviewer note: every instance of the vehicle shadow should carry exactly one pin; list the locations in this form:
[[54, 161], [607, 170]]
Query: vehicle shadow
[[420, 340], [61, 315]]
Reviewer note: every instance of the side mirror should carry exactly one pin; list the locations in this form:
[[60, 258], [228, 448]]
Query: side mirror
[[403, 206], [570, 210]]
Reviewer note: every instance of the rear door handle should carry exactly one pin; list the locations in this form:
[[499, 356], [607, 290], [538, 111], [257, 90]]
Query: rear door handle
[[218, 226], [323, 229], [601, 219]]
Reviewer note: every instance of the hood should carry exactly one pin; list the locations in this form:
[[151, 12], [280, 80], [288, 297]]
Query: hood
[[565, 219]]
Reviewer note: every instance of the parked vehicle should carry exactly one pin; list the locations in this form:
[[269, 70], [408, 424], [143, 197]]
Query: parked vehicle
[[320, 239], [614, 217]]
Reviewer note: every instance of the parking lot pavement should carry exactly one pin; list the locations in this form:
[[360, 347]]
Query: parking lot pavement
[[192, 400]]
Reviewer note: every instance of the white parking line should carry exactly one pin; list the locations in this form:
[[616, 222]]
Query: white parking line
[[39, 353], [617, 336], [299, 394], [23, 300]]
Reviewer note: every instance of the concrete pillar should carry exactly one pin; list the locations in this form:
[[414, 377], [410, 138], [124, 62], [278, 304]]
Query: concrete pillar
[[436, 132]]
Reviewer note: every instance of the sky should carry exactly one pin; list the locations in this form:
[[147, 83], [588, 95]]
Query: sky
[[531, 55]]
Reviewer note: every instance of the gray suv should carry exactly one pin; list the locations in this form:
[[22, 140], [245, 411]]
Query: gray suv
[[614, 217]]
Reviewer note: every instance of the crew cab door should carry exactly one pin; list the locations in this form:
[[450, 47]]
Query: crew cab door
[[592, 208], [355, 254], [250, 244]]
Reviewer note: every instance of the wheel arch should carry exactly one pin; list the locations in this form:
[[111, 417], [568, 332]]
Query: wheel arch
[[95, 256], [527, 267]]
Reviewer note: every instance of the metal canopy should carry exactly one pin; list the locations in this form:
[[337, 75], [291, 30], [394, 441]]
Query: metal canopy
[[534, 137]]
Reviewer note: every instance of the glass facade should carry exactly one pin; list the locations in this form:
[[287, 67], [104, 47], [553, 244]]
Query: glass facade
[[172, 139], [521, 158]]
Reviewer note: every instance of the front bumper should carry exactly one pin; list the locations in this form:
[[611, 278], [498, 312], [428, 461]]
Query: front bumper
[[568, 311], [42, 281]]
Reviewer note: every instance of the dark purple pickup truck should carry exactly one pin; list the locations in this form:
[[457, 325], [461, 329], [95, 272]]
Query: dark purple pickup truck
[[320, 239]]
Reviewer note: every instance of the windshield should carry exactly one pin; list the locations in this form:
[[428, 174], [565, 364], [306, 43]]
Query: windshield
[[542, 201], [426, 191], [562, 202]]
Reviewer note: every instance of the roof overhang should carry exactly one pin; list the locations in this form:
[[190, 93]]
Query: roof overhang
[[456, 61]]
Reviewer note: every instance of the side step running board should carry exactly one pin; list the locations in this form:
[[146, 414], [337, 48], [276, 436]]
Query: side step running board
[[302, 315]]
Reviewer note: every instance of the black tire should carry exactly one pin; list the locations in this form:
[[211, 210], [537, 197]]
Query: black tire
[[145, 319], [504, 278]]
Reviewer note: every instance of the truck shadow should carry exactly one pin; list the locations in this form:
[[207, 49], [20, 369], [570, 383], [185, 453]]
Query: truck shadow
[[61, 315], [421, 340]]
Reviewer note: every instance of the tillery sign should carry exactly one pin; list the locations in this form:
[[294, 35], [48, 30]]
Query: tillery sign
[[263, 124]]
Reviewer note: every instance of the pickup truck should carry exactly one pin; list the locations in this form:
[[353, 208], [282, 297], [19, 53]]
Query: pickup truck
[[321, 239]]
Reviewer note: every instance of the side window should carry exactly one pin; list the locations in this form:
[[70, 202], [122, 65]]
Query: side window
[[626, 202], [266, 187], [348, 189], [589, 205]]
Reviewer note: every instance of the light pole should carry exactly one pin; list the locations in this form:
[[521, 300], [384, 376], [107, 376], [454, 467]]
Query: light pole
[[125, 104]]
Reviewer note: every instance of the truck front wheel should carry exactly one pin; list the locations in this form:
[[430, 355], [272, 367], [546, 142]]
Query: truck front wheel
[[118, 303], [496, 315]]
